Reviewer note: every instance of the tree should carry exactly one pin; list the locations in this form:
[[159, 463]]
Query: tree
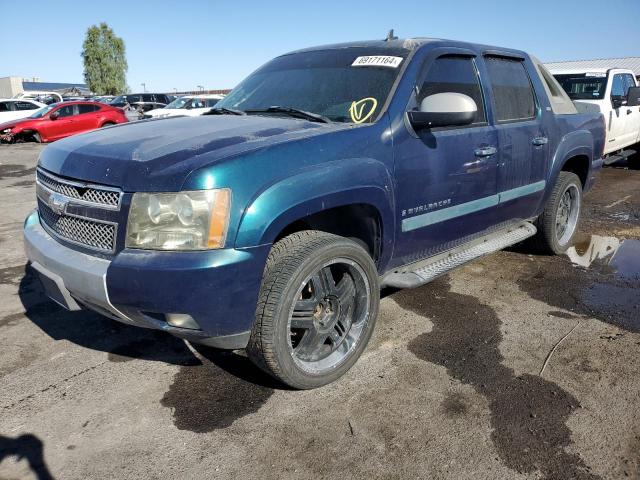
[[105, 63]]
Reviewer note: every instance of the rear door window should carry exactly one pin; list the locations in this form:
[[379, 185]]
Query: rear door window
[[86, 108], [513, 95], [25, 106], [457, 75]]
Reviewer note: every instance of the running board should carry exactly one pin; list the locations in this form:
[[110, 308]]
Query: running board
[[422, 272], [619, 156]]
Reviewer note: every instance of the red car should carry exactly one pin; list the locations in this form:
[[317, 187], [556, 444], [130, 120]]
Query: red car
[[60, 120]]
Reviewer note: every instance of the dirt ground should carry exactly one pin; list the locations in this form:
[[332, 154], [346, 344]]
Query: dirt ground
[[515, 366]]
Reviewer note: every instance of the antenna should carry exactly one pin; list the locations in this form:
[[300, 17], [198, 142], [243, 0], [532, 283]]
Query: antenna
[[390, 36]]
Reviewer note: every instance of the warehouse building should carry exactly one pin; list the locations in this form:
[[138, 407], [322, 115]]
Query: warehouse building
[[10, 86], [630, 63]]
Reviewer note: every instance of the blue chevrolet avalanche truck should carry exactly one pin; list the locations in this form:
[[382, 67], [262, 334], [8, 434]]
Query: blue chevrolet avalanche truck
[[272, 223]]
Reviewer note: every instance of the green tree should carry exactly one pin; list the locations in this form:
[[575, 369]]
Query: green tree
[[105, 63]]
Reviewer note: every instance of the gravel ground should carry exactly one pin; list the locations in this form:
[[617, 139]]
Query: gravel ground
[[515, 366]]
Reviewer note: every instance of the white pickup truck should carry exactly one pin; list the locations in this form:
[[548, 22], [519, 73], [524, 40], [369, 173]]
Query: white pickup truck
[[614, 93]]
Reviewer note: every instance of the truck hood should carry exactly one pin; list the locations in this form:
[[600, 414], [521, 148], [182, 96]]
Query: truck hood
[[158, 155]]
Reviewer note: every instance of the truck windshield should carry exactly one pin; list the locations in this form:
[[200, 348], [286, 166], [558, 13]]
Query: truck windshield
[[348, 85], [584, 86]]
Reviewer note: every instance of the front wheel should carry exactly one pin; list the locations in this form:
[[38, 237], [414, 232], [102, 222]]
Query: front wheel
[[317, 309], [558, 223]]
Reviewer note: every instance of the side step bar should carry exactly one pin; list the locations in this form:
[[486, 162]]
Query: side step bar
[[618, 156], [422, 272]]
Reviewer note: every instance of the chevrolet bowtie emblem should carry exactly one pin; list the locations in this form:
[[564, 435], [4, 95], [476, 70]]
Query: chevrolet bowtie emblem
[[57, 203]]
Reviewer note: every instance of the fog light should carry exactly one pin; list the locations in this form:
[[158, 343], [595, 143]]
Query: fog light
[[182, 320]]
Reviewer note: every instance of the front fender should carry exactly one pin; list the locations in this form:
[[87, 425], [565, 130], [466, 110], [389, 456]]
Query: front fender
[[333, 184]]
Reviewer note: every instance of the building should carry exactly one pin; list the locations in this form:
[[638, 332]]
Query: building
[[10, 86], [631, 63]]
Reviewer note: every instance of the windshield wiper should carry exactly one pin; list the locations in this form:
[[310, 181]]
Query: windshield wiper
[[294, 112], [224, 111]]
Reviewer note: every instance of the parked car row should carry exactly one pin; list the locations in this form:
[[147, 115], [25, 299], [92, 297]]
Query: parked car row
[[187, 105], [60, 120]]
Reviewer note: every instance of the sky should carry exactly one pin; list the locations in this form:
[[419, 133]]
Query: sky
[[181, 44]]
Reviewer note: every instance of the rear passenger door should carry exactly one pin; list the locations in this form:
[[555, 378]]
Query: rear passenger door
[[87, 117], [522, 139]]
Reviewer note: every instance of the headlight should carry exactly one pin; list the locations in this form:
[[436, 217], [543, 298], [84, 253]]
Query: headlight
[[195, 220]]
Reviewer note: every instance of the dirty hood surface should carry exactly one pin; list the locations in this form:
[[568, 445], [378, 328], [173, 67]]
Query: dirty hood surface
[[158, 155]]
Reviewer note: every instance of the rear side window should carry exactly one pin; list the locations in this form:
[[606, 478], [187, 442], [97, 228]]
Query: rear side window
[[25, 106], [5, 106], [210, 102], [512, 91], [84, 108], [457, 75]]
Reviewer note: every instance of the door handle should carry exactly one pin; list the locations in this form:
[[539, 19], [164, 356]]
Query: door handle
[[540, 141], [484, 152]]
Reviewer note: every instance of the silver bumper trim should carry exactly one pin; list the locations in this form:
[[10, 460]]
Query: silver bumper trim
[[80, 277]]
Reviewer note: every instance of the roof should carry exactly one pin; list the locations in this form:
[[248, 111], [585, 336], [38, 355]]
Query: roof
[[600, 64], [51, 85], [408, 44]]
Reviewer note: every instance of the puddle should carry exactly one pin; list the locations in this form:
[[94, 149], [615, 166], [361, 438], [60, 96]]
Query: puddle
[[609, 255], [528, 413]]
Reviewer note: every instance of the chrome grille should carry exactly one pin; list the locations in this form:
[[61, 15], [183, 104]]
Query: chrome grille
[[92, 194], [89, 233]]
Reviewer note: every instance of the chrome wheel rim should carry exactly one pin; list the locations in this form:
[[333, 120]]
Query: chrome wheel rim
[[567, 214], [329, 316]]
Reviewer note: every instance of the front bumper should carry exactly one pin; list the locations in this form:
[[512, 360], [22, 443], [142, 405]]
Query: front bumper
[[217, 288]]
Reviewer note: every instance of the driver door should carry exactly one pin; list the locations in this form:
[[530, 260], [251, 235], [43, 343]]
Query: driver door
[[446, 177], [63, 125]]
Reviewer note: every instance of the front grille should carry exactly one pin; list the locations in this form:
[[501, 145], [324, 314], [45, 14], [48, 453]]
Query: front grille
[[86, 193], [89, 233]]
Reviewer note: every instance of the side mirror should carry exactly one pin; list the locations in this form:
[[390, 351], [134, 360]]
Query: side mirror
[[633, 97], [54, 116], [618, 102], [444, 110]]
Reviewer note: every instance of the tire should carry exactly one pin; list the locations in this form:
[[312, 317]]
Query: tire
[[551, 238], [316, 310], [36, 137], [107, 124]]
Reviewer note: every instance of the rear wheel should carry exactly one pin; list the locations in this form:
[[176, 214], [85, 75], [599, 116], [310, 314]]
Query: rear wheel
[[36, 137], [558, 223], [317, 309], [107, 124]]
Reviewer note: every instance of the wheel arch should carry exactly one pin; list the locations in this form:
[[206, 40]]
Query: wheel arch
[[351, 197]]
